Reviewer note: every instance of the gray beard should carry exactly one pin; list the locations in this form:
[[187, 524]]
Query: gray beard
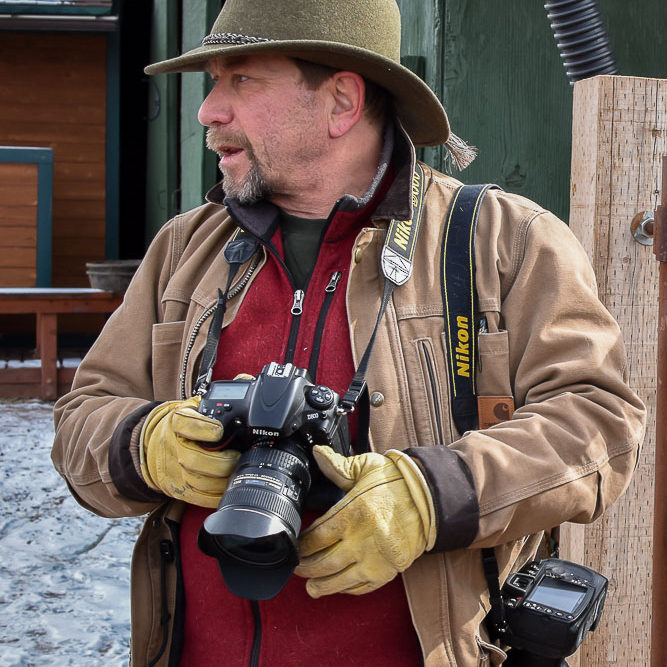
[[254, 186], [251, 189]]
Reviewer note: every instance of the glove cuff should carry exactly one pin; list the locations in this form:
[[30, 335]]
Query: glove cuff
[[147, 429], [419, 491], [124, 457]]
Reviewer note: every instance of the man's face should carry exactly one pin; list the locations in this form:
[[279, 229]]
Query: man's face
[[267, 127]]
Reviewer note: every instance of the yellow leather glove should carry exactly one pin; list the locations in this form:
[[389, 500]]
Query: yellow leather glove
[[384, 522], [171, 460]]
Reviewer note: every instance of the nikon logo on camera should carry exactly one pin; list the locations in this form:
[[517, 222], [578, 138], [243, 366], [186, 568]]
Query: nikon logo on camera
[[463, 346], [265, 432]]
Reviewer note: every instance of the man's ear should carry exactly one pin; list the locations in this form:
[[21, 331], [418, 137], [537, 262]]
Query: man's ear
[[348, 91]]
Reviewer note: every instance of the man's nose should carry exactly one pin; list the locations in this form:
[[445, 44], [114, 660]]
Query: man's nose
[[215, 109]]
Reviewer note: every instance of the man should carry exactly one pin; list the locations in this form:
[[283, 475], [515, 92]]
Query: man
[[315, 123]]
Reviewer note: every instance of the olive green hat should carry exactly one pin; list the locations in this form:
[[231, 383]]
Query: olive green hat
[[361, 36]]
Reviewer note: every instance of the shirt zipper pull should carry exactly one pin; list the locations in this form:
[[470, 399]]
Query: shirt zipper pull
[[333, 282], [297, 304]]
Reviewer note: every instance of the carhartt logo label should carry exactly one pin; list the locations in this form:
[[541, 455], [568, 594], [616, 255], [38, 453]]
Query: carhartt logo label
[[501, 412], [463, 346], [494, 410], [402, 234]]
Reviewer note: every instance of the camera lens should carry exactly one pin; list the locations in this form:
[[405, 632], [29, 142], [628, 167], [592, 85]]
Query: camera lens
[[254, 532]]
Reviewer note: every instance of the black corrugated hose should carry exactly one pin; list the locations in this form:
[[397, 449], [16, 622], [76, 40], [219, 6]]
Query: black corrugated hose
[[581, 38]]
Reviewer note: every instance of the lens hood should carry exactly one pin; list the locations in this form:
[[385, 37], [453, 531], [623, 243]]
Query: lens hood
[[256, 550]]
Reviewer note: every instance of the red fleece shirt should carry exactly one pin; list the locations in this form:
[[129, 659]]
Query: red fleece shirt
[[371, 629]]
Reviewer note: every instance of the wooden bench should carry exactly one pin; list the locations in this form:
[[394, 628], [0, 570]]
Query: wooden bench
[[47, 303]]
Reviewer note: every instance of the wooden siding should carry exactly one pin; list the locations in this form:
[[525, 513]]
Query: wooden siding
[[18, 225], [53, 88]]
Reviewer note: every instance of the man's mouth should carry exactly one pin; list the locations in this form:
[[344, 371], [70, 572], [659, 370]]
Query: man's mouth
[[227, 152]]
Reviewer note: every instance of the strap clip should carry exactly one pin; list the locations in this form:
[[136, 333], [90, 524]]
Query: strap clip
[[355, 390]]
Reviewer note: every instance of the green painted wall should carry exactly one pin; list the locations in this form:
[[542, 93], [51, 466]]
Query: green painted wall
[[162, 165], [505, 88], [198, 164], [507, 93], [422, 51]]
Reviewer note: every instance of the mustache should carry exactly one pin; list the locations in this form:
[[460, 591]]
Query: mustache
[[216, 137]]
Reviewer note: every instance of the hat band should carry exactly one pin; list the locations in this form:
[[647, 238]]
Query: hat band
[[232, 38]]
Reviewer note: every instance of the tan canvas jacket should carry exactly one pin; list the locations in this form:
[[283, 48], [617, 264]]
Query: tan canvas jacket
[[568, 452]]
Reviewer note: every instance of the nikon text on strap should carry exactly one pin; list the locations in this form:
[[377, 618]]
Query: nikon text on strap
[[459, 296], [399, 246]]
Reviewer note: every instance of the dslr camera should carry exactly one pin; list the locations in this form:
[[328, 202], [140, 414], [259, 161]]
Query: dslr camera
[[549, 606], [274, 420]]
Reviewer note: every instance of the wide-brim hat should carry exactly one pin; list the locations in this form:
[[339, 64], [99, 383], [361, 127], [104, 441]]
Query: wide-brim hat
[[361, 36]]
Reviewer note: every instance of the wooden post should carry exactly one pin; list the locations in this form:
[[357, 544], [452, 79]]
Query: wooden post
[[619, 134], [47, 335]]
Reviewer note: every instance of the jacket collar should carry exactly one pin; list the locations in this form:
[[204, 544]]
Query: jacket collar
[[261, 218]]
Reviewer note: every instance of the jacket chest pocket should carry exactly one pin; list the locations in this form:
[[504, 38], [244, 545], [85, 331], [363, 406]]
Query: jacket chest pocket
[[493, 377], [494, 380], [167, 339], [422, 347], [432, 396]]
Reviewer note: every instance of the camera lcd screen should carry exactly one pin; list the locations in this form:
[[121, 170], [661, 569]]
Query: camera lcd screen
[[557, 594], [228, 390]]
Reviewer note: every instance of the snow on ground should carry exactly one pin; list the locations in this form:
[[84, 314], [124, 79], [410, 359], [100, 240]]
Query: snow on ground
[[64, 572]]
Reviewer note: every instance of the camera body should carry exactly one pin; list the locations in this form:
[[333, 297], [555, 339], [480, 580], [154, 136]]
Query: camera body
[[274, 420], [279, 403], [550, 605]]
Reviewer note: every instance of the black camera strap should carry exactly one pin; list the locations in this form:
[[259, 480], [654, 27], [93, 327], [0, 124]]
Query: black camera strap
[[240, 248], [497, 624], [459, 298]]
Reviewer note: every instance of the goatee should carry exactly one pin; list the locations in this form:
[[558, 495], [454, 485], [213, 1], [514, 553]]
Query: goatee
[[252, 186]]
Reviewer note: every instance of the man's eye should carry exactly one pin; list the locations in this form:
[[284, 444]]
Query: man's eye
[[240, 78]]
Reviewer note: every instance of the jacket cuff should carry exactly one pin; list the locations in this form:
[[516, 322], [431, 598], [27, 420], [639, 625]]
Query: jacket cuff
[[125, 474], [454, 496]]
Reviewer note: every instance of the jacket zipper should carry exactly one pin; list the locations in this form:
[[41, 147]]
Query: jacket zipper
[[430, 371], [296, 311], [330, 290], [166, 557], [205, 315]]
